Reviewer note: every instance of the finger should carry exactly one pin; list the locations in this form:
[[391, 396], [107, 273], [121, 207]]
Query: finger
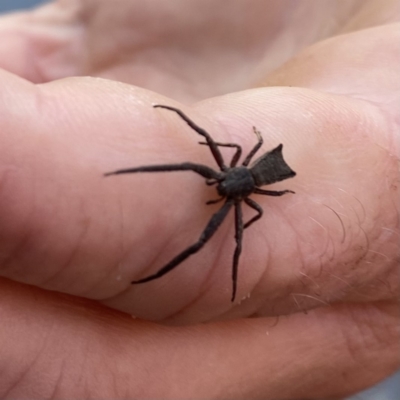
[[128, 43], [61, 347], [319, 242], [330, 66], [65, 227], [322, 241], [45, 43]]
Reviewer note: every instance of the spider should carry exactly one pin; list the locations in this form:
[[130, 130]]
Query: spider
[[234, 184]]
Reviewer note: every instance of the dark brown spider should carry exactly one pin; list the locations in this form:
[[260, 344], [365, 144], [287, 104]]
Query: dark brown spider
[[234, 184]]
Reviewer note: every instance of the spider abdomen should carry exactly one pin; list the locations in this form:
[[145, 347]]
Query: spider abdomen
[[238, 183]]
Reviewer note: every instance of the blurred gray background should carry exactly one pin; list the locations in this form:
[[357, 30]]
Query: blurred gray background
[[8, 5], [388, 390]]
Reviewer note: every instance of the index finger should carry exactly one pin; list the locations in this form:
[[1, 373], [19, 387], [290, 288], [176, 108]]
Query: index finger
[[67, 228]]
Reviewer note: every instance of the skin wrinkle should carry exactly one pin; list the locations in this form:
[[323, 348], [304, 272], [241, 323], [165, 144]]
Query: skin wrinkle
[[58, 383], [324, 252], [361, 204], [381, 254], [84, 222], [365, 248], [252, 308], [85, 350], [309, 305], [23, 236], [317, 297], [393, 291], [379, 239], [67, 265], [330, 246], [357, 20], [364, 231], [354, 235], [114, 272], [226, 235], [294, 229], [189, 68], [155, 258], [315, 283], [341, 222], [31, 367], [114, 269], [61, 41], [13, 254], [363, 284], [198, 296], [255, 286], [204, 286], [347, 283], [387, 286], [82, 380], [190, 304], [320, 269], [371, 335], [207, 212], [265, 272], [32, 217], [8, 264]]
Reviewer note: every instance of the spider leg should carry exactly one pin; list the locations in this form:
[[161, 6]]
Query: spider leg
[[255, 206], [200, 169], [212, 226], [211, 182], [210, 141], [238, 238], [237, 154], [214, 201], [255, 148], [272, 192]]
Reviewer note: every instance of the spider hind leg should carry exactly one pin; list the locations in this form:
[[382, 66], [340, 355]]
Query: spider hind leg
[[238, 238], [212, 226]]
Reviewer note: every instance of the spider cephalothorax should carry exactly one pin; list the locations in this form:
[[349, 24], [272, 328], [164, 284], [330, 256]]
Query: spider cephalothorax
[[234, 184]]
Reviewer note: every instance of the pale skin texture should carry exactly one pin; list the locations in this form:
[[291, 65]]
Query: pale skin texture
[[325, 83]]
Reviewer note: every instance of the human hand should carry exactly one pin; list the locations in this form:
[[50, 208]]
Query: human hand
[[65, 228]]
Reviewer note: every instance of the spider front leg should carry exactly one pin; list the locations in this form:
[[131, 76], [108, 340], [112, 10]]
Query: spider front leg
[[237, 154], [212, 226], [210, 141], [215, 201], [255, 148], [200, 169]]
